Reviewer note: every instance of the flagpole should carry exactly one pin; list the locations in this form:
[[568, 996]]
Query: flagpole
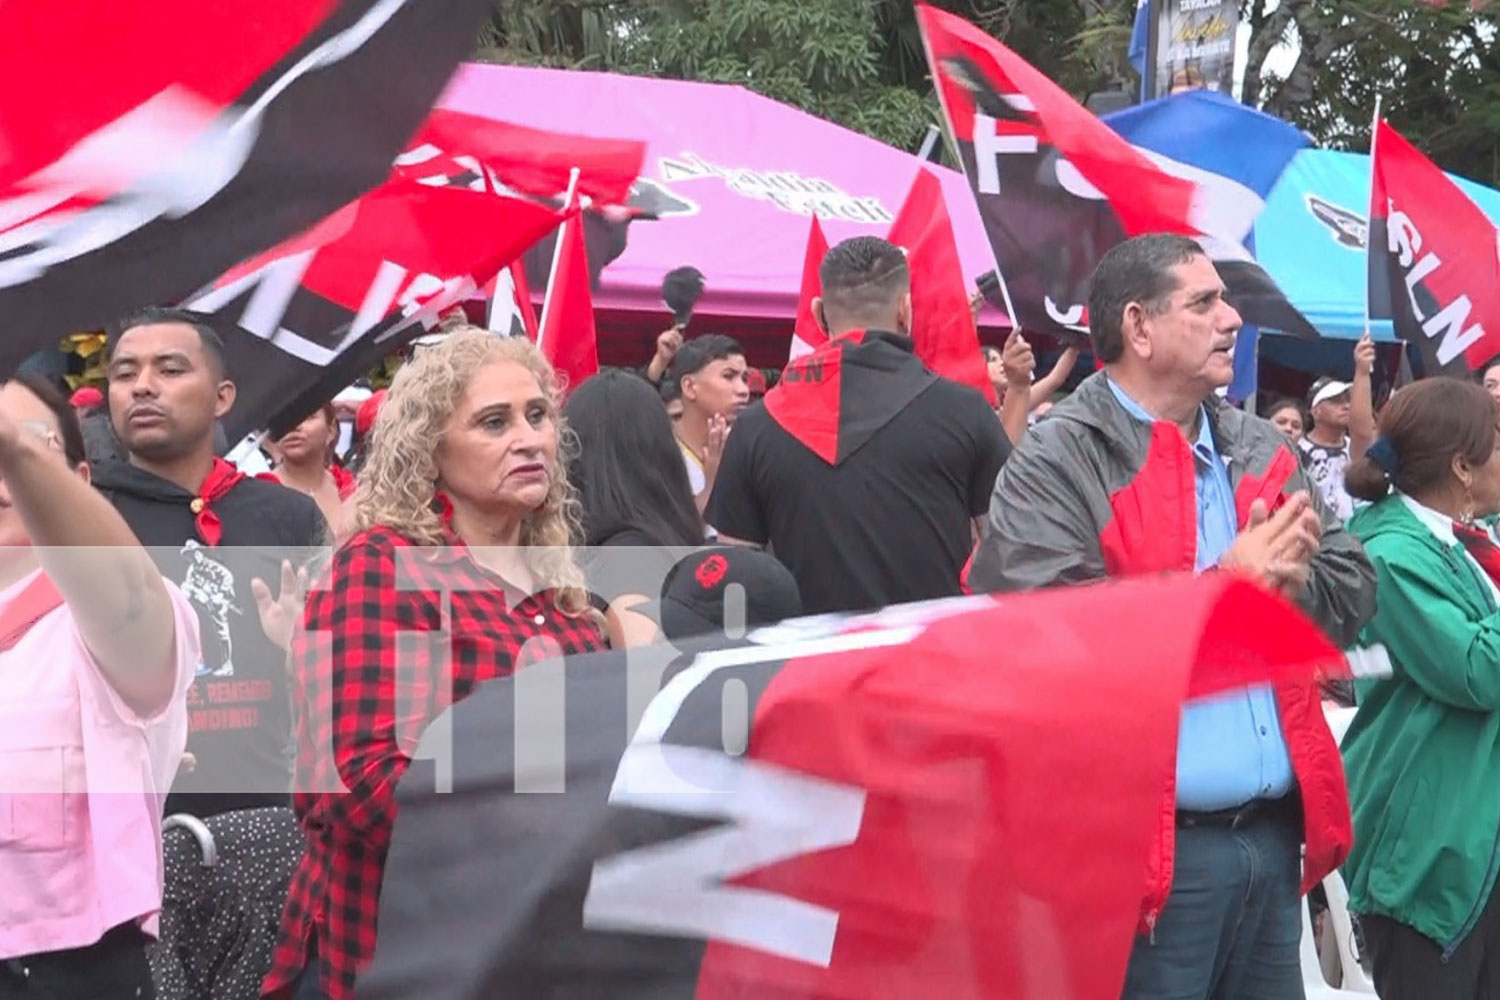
[[541, 326], [1010, 309], [1374, 137]]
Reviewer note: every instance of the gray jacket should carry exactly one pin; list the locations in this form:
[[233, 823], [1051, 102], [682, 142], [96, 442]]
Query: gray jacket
[[1071, 506]]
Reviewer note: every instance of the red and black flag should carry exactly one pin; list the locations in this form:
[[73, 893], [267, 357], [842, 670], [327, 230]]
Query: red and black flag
[[510, 311], [1434, 260], [1057, 188], [305, 320], [465, 200], [566, 334], [885, 815], [147, 147], [943, 328], [839, 396], [807, 335]]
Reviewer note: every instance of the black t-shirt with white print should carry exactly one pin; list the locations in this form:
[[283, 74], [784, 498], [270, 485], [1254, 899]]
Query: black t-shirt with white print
[[239, 707]]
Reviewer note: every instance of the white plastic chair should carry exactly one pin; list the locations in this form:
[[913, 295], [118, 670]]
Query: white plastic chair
[[1313, 982], [1355, 979]]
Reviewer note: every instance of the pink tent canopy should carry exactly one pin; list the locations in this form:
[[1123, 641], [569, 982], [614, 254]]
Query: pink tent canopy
[[740, 174]]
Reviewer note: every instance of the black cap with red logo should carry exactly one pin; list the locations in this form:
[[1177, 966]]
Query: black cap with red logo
[[732, 586]]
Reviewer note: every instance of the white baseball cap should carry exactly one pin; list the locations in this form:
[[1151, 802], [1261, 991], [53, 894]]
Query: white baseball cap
[[1325, 389]]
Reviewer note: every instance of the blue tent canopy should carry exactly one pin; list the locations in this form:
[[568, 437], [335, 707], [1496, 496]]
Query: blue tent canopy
[[1311, 238]]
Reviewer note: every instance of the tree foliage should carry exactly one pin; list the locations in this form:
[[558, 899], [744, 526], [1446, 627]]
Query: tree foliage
[[860, 62], [856, 62], [1436, 69]]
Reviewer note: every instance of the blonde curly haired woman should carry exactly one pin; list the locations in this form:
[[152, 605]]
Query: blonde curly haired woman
[[463, 520]]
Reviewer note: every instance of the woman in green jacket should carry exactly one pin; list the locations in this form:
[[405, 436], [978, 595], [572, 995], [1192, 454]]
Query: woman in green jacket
[[1423, 752]]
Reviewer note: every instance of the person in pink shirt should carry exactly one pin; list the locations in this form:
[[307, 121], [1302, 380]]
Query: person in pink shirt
[[96, 655]]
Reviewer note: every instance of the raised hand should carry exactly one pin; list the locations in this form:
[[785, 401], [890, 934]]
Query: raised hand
[[1017, 359], [1364, 356], [280, 614], [713, 451]]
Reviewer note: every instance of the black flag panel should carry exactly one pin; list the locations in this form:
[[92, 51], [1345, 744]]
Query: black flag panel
[[224, 130]]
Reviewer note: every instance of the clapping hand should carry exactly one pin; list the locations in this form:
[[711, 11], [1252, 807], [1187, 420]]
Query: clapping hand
[[1277, 549]]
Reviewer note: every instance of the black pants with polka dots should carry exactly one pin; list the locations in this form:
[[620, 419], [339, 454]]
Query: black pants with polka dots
[[113, 968]]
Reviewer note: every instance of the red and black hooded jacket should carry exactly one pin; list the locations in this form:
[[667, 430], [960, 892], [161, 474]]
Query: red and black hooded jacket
[[1093, 493]]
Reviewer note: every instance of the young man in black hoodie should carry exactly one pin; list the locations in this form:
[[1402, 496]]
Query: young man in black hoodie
[[221, 537], [862, 469]]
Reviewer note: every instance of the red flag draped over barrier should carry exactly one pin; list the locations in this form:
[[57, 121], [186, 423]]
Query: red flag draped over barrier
[[1434, 260], [946, 800], [943, 328]]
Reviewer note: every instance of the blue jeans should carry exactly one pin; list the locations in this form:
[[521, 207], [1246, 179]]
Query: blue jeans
[[1233, 923]]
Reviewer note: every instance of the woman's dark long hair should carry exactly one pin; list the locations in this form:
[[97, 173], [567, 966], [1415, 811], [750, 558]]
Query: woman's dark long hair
[[628, 469]]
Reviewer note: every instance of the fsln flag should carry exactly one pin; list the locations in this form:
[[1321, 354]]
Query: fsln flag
[[462, 203], [807, 335], [1056, 187], [300, 323], [221, 131], [454, 149], [509, 311], [567, 335], [885, 815], [1434, 260], [943, 333]]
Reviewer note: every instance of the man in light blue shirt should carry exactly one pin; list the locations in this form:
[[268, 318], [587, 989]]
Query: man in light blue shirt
[[1104, 487], [1230, 750]]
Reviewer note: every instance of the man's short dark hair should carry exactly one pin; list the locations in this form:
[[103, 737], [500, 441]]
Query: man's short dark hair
[[208, 337], [1138, 270], [700, 352], [863, 276]]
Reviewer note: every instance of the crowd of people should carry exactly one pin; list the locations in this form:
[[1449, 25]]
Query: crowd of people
[[212, 680]]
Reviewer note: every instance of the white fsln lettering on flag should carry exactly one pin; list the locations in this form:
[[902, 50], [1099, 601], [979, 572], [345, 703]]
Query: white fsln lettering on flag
[[1448, 324], [989, 146], [680, 887], [677, 888]]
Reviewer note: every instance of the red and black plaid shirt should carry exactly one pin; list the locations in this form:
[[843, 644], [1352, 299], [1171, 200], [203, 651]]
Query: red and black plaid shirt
[[367, 682]]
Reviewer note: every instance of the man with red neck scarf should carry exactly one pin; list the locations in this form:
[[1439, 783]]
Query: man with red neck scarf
[[862, 469], [222, 538]]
